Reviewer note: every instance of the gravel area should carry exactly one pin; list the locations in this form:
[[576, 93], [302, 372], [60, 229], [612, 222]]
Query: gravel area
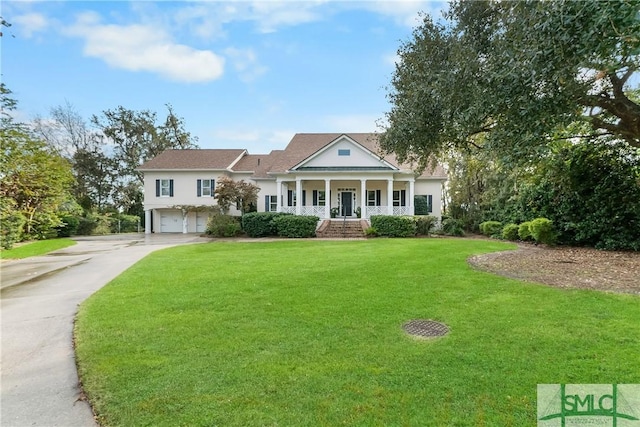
[[567, 267]]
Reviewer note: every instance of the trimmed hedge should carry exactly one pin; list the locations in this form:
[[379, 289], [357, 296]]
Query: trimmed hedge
[[491, 228], [260, 224], [542, 231], [510, 232], [524, 231], [296, 226], [393, 226]]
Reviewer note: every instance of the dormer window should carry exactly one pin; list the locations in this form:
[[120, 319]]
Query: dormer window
[[344, 152]]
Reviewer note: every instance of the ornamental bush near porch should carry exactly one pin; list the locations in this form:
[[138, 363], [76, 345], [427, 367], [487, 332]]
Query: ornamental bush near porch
[[260, 224], [296, 226], [393, 226]]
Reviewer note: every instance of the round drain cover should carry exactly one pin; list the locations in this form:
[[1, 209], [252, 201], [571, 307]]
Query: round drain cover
[[425, 328]]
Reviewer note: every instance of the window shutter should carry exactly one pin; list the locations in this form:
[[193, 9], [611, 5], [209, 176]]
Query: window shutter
[[403, 197], [289, 197], [378, 197], [170, 188], [157, 188], [315, 197], [213, 187], [430, 203], [199, 188], [267, 203], [304, 197]]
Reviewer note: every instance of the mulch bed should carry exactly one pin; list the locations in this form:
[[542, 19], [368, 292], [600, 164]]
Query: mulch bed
[[566, 267]]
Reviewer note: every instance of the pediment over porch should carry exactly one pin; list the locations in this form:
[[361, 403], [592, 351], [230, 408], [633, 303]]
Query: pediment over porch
[[344, 154]]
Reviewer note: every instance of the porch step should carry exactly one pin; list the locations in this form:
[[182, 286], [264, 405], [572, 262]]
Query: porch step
[[340, 229]]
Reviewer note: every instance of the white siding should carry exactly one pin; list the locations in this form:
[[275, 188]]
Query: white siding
[[357, 157]]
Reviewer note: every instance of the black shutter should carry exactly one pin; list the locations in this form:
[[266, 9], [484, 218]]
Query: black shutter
[[289, 197], [157, 188], [199, 188], [403, 197], [315, 197], [267, 203], [378, 198], [430, 203], [170, 188], [304, 197], [213, 187]]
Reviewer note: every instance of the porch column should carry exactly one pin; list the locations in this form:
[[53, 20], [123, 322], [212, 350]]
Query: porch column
[[390, 196], [279, 195], [147, 221], [298, 196], [327, 198], [412, 190], [363, 198]]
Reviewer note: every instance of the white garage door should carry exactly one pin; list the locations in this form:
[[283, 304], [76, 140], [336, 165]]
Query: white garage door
[[171, 222], [201, 222]]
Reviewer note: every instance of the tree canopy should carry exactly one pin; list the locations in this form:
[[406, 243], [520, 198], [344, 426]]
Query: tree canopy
[[515, 74]]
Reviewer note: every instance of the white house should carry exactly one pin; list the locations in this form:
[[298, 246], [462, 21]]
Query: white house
[[313, 174]]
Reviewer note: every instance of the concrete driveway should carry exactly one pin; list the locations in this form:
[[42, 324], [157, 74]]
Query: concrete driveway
[[39, 300]]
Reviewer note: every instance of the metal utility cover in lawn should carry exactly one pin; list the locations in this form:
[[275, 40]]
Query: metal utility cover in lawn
[[425, 328]]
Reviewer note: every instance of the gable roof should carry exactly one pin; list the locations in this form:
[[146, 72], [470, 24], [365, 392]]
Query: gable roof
[[194, 159], [302, 147]]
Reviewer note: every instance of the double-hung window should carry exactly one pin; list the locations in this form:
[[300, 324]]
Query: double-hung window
[[164, 188], [373, 197], [271, 203], [319, 198], [206, 187], [399, 197]]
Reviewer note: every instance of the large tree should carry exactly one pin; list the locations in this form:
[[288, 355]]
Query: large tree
[[515, 73], [34, 180], [66, 132]]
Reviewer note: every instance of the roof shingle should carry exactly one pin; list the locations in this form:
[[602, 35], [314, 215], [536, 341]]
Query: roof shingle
[[193, 159]]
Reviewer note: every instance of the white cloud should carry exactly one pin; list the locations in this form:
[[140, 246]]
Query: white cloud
[[392, 59], [405, 12], [140, 47], [246, 63], [260, 141], [30, 23]]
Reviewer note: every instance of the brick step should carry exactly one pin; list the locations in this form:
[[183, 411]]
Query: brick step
[[340, 229]]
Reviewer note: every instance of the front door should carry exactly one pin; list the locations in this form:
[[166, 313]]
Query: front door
[[346, 200]]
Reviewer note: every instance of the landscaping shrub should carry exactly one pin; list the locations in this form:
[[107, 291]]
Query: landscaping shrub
[[69, 226], [260, 224], [425, 224], [393, 226], [524, 231], [542, 231], [220, 225], [510, 232], [452, 227], [491, 228], [11, 223], [296, 226], [371, 232]]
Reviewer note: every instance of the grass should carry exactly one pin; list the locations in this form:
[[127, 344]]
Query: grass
[[308, 333], [39, 247]]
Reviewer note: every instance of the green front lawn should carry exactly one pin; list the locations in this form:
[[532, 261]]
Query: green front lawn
[[308, 333], [39, 247]]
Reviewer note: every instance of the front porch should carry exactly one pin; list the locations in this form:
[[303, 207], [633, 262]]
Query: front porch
[[340, 198]]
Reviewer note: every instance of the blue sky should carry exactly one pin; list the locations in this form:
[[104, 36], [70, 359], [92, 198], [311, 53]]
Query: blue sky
[[242, 74]]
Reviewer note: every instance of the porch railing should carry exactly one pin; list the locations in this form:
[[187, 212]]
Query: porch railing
[[377, 210], [401, 210], [313, 210]]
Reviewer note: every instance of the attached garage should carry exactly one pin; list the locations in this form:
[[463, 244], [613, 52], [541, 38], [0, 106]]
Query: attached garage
[[201, 221], [170, 221]]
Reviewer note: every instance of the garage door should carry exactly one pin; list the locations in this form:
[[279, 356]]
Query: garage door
[[201, 222], [171, 222]]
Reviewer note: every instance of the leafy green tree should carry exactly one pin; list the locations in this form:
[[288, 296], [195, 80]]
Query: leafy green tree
[[516, 73], [66, 132], [33, 179], [137, 137]]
